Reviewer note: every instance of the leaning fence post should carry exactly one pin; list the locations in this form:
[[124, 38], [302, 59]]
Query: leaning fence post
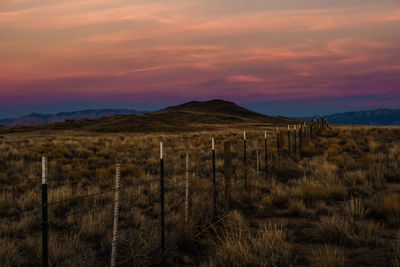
[[162, 191], [245, 160], [227, 171], [45, 223], [266, 154], [214, 181], [187, 186], [116, 215]]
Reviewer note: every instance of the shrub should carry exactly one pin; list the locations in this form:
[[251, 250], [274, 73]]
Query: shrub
[[366, 162], [328, 256]]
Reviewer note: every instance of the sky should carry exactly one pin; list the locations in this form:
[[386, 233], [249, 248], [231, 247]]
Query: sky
[[284, 57]]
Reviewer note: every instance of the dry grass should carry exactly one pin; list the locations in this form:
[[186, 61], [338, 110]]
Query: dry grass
[[329, 256], [340, 192]]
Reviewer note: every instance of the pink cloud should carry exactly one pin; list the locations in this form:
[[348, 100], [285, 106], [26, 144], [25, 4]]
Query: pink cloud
[[244, 79]]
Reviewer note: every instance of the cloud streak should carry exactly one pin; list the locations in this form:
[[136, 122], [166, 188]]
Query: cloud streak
[[198, 49]]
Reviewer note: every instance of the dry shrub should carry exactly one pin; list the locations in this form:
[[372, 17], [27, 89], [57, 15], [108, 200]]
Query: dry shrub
[[395, 253], [314, 191], [298, 208], [366, 162], [334, 229], [10, 254], [328, 256], [390, 204], [265, 206], [354, 209], [235, 246], [333, 149], [350, 146], [128, 169], [3, 178], [103, 173], [338, 230], [337, 160]]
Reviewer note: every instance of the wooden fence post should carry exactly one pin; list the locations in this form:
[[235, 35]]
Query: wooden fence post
[[295, 140], [187, 186], [162, 192], [227, 171], [266, 154], [245, 160], [277, 142], [214, 212], [116, 215], [45, 223], [258, 163], [289, 144]]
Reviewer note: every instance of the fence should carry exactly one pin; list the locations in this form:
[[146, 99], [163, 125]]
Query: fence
[[222, 201]]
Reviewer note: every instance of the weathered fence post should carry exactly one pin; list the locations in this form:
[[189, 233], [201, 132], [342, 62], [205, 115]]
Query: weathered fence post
[[300, 138], [258, 163], [187, 186], [214, 212], [277, 142], [116, 215], [266, 154], [295, 140], [289, 144], [245, 160], [45, 223], [162, 192], [227, 171]]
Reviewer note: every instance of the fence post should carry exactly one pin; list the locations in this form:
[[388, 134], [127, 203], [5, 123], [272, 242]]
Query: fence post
[[227, 171], [214, 181], [266, 154], [258, 163], [277, 142], [187, 186], [116, 215], [289, 144], [162, 192], [300, 138], [295, 140], [245, 160], [45, 223]]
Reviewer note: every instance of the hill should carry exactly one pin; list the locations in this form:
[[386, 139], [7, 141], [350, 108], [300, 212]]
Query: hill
[[369, 117], [190, 116], [35, 118]]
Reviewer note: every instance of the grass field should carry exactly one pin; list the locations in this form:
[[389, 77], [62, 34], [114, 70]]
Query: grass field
[[337, 203]]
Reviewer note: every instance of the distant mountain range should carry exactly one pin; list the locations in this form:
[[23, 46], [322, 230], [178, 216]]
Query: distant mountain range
[[192, 116], [36, 118], [369, 117]]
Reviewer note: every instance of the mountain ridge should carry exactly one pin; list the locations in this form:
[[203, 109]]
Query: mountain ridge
[[191, 116], [380, 117], [38, 118]]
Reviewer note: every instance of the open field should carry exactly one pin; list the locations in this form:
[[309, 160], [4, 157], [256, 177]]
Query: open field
[[336, 203]]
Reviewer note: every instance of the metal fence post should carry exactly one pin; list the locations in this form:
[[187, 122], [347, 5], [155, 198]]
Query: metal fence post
[[295, 140], [116, 215], [277, 142], [227, 171], [187, 186], [289, 144], [214, 181], [245, 160], [45, 223], [266, 154], [162, 192]]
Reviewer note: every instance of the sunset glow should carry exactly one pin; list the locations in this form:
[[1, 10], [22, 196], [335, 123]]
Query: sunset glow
[[177, 50]]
